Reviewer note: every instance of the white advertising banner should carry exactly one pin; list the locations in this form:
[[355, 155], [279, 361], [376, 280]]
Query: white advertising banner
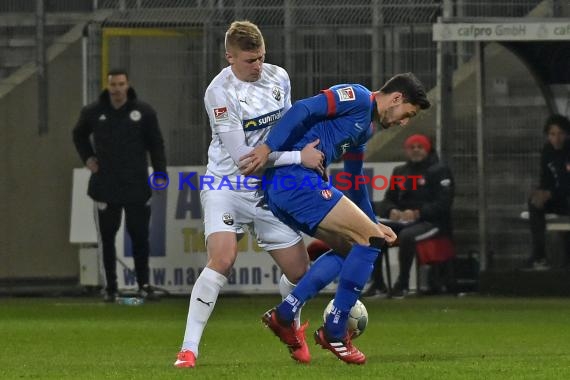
[[506, 31], [178, 252]]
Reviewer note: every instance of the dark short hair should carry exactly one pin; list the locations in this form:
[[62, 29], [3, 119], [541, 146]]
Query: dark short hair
[[410, 86], [114, 72], [559, 120]]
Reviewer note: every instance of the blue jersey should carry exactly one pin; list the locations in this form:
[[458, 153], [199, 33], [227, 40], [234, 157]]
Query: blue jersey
[[341, 118]]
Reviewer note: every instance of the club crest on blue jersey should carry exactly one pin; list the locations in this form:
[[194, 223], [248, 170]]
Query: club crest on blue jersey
[[263, 121], [326, 194]]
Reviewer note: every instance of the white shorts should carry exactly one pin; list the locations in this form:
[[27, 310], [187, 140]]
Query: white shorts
[[230, 210]]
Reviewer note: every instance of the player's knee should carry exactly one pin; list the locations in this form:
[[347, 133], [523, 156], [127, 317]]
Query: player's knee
[[293, 279], [221, 266], [221, 262], [295, 273]]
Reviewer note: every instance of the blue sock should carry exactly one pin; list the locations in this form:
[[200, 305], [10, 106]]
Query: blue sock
[[355, 272], [323, 271]]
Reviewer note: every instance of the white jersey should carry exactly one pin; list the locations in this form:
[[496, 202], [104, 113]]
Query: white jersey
[[254, 107]]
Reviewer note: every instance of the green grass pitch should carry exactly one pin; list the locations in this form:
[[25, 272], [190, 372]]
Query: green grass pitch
[[415, 338]]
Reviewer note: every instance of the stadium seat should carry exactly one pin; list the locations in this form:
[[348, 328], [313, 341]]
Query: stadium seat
[[436, 251]]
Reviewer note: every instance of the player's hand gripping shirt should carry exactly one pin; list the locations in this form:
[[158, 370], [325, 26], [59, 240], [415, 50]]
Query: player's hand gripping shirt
[[254, 107]]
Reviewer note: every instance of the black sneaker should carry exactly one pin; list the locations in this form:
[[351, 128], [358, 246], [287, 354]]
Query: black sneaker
[[376, 292], [536, 265], [399, 291], [110, 297], [540, 265], [148, 293], [528, 264]]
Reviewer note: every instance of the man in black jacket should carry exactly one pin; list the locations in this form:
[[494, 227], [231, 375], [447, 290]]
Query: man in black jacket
[[554, 189], [123, 130], [422, 203]]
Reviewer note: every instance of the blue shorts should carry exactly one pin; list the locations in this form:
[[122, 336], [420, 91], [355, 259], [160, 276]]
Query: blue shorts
[[299, 197]]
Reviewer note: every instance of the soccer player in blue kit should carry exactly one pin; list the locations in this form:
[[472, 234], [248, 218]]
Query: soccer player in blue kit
[[341, 117]]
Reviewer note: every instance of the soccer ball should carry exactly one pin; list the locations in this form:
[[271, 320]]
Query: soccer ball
[[357, 319]]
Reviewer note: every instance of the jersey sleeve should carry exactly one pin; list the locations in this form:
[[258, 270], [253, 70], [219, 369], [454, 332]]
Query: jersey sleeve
[[223, 109], [296, 122], [235, 144], [287, 90], [347, 99], [81, 132], [336, 101]]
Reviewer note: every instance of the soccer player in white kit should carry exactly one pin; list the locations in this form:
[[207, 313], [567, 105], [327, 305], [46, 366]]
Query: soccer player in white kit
[[243, 102]]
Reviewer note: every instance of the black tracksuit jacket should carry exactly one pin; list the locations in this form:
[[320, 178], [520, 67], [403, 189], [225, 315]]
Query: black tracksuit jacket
[[121, 139]]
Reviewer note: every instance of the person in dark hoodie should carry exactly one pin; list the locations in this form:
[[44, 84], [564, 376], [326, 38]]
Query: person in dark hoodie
[[422, 204], [123, 130], [554, 188]]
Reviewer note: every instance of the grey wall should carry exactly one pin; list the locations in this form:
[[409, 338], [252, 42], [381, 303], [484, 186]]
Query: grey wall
[[36, 171]]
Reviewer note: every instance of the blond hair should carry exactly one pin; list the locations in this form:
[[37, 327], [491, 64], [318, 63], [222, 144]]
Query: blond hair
[[244, 35]]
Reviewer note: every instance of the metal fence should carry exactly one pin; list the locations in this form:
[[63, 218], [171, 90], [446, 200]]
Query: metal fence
[[21, 6], [501, 8], [514, 107], [173, 48], [515, 111], [320, 42], [401, 11], [177, 48]]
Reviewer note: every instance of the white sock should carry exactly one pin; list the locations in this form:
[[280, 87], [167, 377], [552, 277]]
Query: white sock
[[286, 287], [202, 301]]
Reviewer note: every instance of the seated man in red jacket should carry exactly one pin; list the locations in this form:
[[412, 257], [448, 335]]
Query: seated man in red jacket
[[424, 203]]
